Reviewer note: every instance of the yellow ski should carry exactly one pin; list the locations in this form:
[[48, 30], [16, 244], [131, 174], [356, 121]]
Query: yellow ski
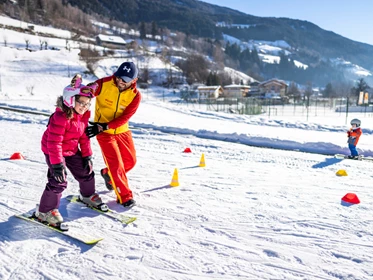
[[124, 219], [84, 238]]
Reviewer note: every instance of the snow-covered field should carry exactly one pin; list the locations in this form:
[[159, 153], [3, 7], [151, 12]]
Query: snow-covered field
[[251, 213]]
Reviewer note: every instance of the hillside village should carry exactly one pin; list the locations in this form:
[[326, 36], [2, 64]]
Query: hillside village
[[241, 86], [178, 72], [110, 45]]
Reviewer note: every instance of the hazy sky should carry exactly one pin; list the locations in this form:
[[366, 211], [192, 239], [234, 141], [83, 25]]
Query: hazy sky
[[351, 19]]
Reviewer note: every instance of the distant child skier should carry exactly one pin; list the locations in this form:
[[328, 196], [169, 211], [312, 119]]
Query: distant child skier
[[353, 138], [65, 144]]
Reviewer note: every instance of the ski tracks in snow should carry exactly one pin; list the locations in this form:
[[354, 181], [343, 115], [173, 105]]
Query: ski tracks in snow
[[251, 213]]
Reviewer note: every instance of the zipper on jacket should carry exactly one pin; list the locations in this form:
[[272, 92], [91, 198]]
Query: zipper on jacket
[[116, 110]]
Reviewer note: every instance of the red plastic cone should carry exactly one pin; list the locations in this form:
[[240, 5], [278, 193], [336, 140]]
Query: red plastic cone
[[17, 156], [187, 150], [351, 198]]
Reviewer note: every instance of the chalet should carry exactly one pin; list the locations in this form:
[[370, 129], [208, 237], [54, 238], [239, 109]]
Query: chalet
[[236, 91], [210, 91], [254, 89], [110, 41], [273, 88]]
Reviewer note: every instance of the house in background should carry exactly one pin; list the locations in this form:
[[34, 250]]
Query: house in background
[[236, 91], [273, 88], [254, 89], [209, 91], [110, 41]]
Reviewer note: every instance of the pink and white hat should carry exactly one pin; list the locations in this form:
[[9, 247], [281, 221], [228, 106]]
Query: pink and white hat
[[77, 88]]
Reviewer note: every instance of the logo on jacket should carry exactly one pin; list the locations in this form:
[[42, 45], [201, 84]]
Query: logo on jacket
[[128, 69]]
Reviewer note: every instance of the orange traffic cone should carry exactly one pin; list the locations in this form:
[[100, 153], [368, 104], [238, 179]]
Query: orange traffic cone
[[351, 198], [202, 161], [17, 156], [175, 179]]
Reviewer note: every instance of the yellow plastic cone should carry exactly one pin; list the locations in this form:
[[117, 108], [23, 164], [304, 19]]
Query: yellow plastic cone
[[202, 161], [341, 172], [175, 179]]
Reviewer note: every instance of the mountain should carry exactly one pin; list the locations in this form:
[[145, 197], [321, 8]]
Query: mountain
[[200, 19], [306, 52]]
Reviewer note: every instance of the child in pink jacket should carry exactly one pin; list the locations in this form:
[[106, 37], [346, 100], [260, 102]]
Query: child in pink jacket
[[65, 144]]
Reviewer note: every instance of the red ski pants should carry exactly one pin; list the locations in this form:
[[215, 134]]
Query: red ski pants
[[119, 155]]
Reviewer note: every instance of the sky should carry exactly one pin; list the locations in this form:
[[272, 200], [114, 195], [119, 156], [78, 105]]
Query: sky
[[351, 19], [250, 213]]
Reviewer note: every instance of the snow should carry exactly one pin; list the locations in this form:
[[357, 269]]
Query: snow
[[239, 75], [111, 39], [271, 49], [278, 43], [269, 52], [272, 59], [6, 21], [231, 39], [251, 213], [353, 68], [267, 58]]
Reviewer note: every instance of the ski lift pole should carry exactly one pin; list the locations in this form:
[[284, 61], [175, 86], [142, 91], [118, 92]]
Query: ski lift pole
[[347, 110], [0, 74]]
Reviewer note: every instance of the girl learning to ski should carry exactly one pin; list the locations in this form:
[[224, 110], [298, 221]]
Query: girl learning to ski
[[65, 144]]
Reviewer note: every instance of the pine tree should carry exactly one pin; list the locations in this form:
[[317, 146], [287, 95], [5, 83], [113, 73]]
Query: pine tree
[[142, 30], [154, 29], [361, 86], [209, 79], [293, 91], [329, 91]]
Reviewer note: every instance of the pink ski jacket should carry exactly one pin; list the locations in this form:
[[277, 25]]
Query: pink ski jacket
[[63, 136]]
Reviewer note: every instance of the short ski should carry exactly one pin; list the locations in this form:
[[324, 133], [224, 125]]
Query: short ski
[[84, 238], [367, 158], [360, 157], [111, 213], [340, 156]]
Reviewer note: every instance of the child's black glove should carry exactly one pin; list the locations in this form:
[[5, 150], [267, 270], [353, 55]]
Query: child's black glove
[[88, 164], [59, 172], [96, 128]]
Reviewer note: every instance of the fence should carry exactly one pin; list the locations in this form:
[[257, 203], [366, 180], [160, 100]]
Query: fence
[[320, 107]]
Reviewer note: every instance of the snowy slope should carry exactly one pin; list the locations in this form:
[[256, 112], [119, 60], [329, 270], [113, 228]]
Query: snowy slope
[[269, 52], [251, 213]]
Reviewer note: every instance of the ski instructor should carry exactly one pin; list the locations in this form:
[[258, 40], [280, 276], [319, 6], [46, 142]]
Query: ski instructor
[[117, 100]]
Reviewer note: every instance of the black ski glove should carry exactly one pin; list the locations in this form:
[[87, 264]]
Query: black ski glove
[[59, 172], [95, 128], [88, 164]]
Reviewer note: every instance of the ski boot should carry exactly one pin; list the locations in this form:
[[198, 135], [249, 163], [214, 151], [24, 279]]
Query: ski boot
[[52, 218], [107, 179], [94, 201], [128, 204]]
